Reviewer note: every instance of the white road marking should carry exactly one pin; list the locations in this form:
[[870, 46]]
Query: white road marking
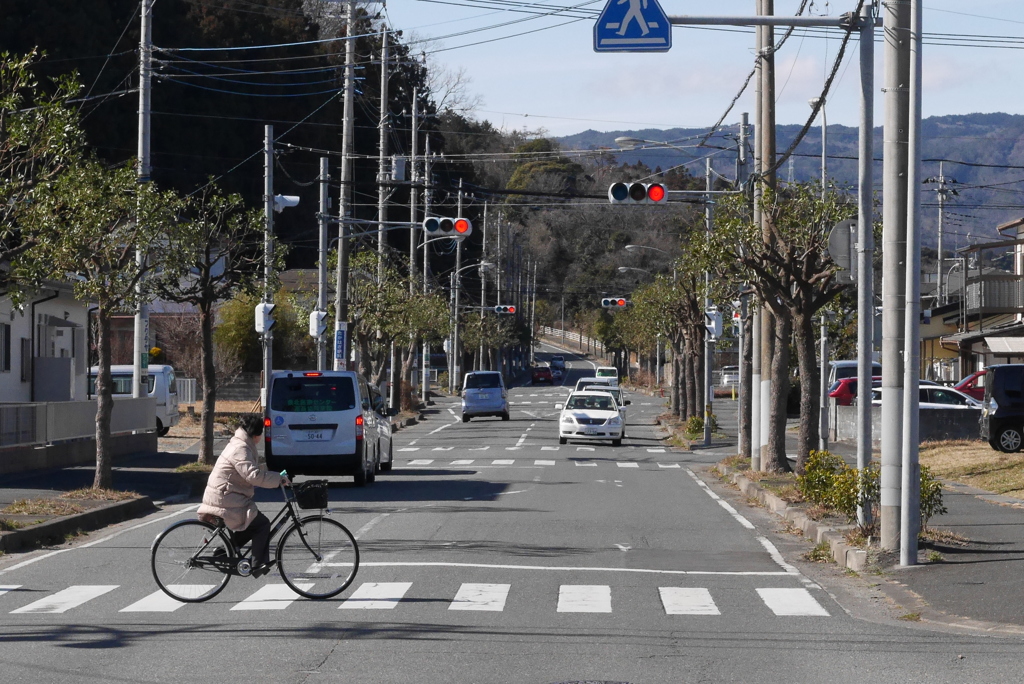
[[623, 547], [628, 465], [159, 602], [549, 448], [513, 448], [791, 602], [369, 525], [409, 449], [584, 598], [72, 597], [442, 448], [503, 461], [421, 461], [483, 448], [559, 568], [655, 451], [724, 504], [376, 596], [688, 601], [777, 557], [481, 597], [586, 463], [446, 425], [463, 462], [271, 597], [669, 465], [579, 448], [8, 587], [543, 463], [522, 439]]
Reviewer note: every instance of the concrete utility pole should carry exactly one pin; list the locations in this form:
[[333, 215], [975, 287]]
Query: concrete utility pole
[[767, 142], [321, 275], [910, 493], [344, 203], [709, 341], [755, 334], [942, 191], [382, 159], [894, 250], [413, 197], [140, 355], [268, 254], [426, 254], [483, 293], [865, 240]]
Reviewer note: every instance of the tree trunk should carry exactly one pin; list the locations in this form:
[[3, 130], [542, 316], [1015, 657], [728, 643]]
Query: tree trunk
[[206, 454], [692, 395], [810, 402], [746, 384], [408, 355], [775, 461], [104, 400]]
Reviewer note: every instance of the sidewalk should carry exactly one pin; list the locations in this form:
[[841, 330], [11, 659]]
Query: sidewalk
[[981, 580]]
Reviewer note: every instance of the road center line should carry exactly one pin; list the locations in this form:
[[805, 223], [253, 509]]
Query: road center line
[[521, 440]]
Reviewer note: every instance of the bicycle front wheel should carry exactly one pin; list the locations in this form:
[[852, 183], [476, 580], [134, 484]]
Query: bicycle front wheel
[[318, 558], [192, 561]]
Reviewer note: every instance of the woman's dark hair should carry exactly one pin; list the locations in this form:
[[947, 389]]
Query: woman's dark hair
[[252, 423]]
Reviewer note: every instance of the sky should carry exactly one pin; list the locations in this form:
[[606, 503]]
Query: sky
[[533, 66]]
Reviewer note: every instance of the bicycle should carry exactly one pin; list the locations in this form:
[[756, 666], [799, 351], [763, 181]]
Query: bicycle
[[193, 560]]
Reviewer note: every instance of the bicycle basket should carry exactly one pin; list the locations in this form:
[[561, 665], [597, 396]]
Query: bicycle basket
[[311, 494]]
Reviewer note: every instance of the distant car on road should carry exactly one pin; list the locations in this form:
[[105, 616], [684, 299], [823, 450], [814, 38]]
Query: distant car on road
[[558, 362], [484, 394], [543, 374], [584, 383], [610, 373], [590, 416], [730, 375]]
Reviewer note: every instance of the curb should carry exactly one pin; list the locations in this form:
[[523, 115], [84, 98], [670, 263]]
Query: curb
[[397, 425], [845, 555], [58, 528]]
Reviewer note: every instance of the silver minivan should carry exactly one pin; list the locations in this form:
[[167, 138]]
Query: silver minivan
[[484, 394], [325, 423]]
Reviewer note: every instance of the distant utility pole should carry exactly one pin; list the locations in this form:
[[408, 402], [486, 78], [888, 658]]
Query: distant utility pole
[[943, 192], [140, 353], [344, 203], [321, 299], [413, 197], [268, 256], [382, 158]]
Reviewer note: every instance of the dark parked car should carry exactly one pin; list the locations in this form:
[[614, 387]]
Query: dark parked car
[[543, 374], [1002, 413]]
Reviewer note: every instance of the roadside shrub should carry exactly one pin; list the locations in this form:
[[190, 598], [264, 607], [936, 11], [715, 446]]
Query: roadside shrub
[[442, 381], [931, 497], [695, 424], [846, 493], [819, 476]]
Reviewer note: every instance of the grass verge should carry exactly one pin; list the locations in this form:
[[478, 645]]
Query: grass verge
[[42, 507], [99, 494], [975, 463], [194, 467], [10, 525]]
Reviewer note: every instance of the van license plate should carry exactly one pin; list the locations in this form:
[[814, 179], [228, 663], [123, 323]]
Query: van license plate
[[314, 436]]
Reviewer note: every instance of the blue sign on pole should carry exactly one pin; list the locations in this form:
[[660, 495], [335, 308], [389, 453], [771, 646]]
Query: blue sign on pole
[[340, 347], [632, 26]]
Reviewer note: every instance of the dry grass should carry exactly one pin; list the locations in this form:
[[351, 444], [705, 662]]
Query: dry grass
[[42, 507], [10, 525], [937, 535], [95, 494], [976, 464], [737, 462], [194, 467], [821, 553]]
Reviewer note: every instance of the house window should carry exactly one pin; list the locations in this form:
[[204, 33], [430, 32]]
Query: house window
[[26, 359], [5, 348]]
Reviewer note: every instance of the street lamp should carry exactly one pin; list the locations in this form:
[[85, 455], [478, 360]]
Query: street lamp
[[626, 269], [633, 248]]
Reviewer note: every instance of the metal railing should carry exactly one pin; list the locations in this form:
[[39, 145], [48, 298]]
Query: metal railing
[[574, 336], [186, 390], [49, 422]]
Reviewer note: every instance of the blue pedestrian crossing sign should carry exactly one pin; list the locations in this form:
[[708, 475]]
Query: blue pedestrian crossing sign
[[632, 26]]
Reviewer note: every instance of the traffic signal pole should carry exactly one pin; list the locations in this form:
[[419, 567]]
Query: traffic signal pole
[[321, 293], [268, 254], [140, 355], [344, 203]]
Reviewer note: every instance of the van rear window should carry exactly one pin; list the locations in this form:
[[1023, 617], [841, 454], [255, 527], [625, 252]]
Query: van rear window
[[482, 380], [607, 373], [293, 395]]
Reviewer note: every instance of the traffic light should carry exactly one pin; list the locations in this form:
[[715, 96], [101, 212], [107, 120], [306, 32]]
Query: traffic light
[[458, 228], [264, 317], [504, 309], [637, 193], [317, 323], [614, 302], [713, 322]]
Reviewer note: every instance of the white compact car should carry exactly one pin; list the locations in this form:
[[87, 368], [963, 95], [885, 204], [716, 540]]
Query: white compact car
[[610, 373], [590, 416]]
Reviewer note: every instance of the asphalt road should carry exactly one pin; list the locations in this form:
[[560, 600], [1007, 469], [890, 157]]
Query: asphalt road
[[492, 554]]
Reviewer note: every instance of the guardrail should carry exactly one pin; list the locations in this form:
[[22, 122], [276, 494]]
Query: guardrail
[[49, 422], [574, 336]]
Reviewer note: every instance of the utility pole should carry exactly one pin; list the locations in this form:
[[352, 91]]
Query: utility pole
[[321, 275], [709, 343], [756, 319], [942, 191], [483, 294], [413, 196], [268, 255], [865, 241], [768, 440], [426, 252], [910, 518], [894, 250], [382, 159], [344, 203], [744, 406], [456, 355], [140, 355], [533, 313]]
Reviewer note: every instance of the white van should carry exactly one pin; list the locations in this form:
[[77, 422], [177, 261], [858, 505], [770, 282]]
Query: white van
[[162, 385], [612, 374]]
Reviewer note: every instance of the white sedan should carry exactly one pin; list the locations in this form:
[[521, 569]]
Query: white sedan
[[590, 416], [936, 396]]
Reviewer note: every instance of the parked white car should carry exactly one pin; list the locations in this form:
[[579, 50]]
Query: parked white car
[[584, 383], [162, 386], [590, 416], [935, 396]]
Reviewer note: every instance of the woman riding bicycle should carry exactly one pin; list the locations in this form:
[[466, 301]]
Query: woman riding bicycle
[[230, 489]]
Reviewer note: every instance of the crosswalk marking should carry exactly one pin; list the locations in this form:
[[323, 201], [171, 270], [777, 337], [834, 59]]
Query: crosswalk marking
[[584, 598], [271, 597], [655, 450], [789, 602], [668, 465], [483, 448], [8, 587], [409, 449], [377, 595], [628, 465], [513, 448], [549, 448], [159, 602], [586, 463], [543, 463], [688, 601], [503, 461], [72, 597], [481, 597], [421, 461], [443, 448], [579, 448], [463, 462]]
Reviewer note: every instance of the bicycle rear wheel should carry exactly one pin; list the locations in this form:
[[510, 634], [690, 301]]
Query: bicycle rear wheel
[[318, 558], [192, 561]]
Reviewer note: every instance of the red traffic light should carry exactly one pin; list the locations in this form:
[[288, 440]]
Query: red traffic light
[[621, 302], [462, 226], [504, 309], [656, 192]]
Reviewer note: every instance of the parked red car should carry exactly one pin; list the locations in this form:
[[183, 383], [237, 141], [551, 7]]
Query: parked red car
[[543, 374], [845, 390], [973, 385]]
